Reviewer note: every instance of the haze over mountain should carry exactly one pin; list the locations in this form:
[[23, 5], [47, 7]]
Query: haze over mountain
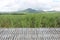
[[30, 10]]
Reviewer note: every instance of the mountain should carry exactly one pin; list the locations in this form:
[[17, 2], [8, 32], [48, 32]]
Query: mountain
[[30, 10]]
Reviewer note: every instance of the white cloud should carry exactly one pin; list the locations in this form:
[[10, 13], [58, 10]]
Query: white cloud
[[13, 5], [56, 6]]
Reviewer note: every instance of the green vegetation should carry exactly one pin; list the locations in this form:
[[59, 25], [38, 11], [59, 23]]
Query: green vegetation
[[31, 20]]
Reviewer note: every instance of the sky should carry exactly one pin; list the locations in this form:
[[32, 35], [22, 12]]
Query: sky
[[14, 5]]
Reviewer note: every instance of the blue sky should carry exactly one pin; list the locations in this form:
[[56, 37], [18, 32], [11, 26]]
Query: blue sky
[[14, 5]]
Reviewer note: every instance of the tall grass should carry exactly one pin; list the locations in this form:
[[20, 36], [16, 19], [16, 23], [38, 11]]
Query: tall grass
[[40, 20]]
